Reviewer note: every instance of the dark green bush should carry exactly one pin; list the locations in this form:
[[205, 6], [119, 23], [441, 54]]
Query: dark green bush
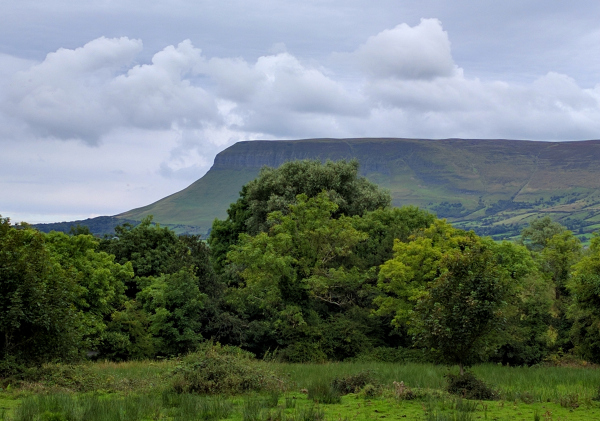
[[217, 369], [390, 355], [76, 377], [353, 383], [470, 387], [303, 352]]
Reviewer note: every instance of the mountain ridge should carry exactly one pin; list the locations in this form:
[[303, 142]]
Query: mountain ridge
[[491, 185]]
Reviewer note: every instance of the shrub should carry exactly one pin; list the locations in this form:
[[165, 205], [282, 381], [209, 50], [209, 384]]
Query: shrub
[[369, 391], [75, 377], [390, 355], [217, 369], [470, 387], [353, 383], [402, 392], [303, 352], [570, 400]]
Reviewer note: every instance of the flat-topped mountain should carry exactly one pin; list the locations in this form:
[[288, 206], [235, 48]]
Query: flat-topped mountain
[[492, 186]]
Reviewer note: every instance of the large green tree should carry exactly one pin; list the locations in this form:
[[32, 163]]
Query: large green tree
[[530, 334], [294, 282], [537, 234], [151, 249], [175, 297], [555, 250], [39, 321], [415, 263], [584, 310], [100, 281], [174, 304], [277, 188], [462, 310]]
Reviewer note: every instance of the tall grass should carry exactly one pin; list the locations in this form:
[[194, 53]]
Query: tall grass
[[66, 407], [541, 384], [416, 375], [530, 384]]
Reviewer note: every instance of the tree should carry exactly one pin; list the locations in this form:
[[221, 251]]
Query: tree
[[530, 333], [539, 232], [100, 282], [38, 318], [584, 310], [174, 304], [293, 276], [383, 226], [462, 309], [151, 249], [277, 189], [127, 335], [403, 279]]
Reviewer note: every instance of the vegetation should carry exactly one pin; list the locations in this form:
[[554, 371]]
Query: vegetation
[[323, 271]]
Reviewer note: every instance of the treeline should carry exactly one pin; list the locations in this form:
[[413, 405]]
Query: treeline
[[311, 264]]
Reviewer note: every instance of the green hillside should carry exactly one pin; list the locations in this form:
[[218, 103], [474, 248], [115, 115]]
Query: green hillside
[[492, 186]]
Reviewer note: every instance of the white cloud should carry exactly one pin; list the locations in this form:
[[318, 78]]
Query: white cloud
[[404, 52]]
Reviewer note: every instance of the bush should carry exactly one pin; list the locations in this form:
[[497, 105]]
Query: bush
[[11, 369], [353, 383], [303, 352], [369, 391], [470, 387], [75, 377], [217, 369], [390, 355]]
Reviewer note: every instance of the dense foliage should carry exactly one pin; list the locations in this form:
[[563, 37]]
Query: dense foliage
[[312, 264]]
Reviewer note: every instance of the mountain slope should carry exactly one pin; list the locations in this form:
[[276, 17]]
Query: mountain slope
[[492, 186]]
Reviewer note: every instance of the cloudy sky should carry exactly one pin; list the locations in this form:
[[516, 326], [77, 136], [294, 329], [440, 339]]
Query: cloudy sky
[[110, 105]]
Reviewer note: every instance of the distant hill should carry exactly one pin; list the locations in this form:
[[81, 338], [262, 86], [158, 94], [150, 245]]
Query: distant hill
[[105, 225], [99, 226], [492, 186]]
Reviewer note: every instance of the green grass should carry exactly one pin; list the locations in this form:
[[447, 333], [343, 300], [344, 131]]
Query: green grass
[[254, 408], [535, 384], [140, 391]]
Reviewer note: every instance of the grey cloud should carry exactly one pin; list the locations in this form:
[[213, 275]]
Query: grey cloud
[[513, 70], [84, 94]]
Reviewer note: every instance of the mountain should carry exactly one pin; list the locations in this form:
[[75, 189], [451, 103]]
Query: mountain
[[492, 186]]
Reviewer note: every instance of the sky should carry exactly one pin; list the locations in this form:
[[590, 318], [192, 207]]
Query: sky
[[111, 105]]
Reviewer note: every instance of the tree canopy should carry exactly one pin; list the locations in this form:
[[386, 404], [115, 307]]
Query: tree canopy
[[311, 264], [277, 188]]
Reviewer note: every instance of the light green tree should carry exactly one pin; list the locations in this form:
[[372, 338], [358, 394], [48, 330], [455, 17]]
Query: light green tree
[[584, 310], [416, 263], [99, 280], [462, 311]]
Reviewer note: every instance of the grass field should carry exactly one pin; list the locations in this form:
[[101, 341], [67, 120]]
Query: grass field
[[142, 391]]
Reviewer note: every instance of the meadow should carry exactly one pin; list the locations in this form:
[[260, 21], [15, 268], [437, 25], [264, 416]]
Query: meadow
[[132, 391]]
